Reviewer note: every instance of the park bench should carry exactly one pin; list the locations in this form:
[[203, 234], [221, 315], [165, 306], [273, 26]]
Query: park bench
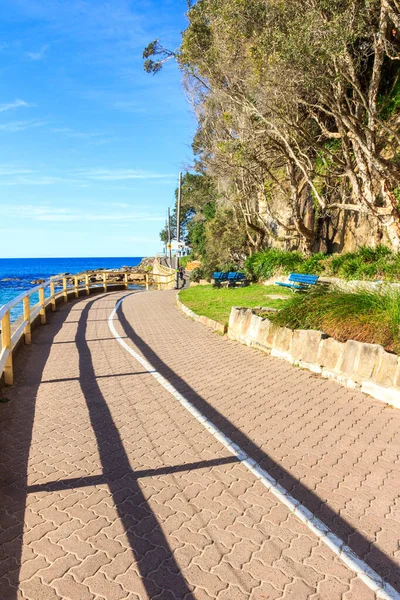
[[231, 278], [299, 281]]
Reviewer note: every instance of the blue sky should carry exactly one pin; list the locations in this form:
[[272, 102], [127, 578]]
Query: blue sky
[[91, 145]]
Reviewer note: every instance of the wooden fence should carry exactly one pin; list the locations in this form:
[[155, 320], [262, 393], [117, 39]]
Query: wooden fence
[[52, 291]]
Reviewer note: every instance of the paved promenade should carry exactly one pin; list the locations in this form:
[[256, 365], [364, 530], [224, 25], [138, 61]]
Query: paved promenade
[[111, 489]]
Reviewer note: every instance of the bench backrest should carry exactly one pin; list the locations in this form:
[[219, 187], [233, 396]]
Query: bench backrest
[[231, 276], [303, 278]]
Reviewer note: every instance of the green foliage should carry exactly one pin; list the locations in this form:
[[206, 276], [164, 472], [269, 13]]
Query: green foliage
[[225, 242], [266, 263], [198, 205], [390, 103], [314, 265], [396, 193], [365, 264], [196, 275], [274, 83], [184, 260], [363, 315]]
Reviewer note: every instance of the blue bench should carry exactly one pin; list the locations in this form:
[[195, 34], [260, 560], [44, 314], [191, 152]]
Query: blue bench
[[299, 281], [231, 278], [220, 276]]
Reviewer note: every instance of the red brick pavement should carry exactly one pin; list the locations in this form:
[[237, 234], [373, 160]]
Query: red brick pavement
[[111, 489]]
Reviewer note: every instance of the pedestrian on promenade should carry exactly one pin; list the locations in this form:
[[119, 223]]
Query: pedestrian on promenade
[[182, 276]]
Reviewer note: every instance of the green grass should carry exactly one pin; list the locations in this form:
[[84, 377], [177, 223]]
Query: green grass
[[216, 303], [365, 316]]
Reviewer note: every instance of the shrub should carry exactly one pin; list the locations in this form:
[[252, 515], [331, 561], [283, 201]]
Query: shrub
[[314, 265], [366, 263], [196, 275], [366, 316], [263, 265]]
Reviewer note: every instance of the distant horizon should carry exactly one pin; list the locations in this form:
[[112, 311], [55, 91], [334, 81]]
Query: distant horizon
[[73, 257]]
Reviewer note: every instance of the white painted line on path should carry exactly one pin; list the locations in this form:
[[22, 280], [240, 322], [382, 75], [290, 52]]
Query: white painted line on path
[[375, 582]]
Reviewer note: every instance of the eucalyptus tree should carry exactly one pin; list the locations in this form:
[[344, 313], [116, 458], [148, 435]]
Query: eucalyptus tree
[[297, 102]]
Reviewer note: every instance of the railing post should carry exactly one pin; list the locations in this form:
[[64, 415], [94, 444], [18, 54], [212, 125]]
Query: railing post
[[105, 281], [126, 280], [87, 284], [158, 283], [147, 281], [65, 292], [42, 306], [53, 297], [76, 287], [27, 317], [6, 345]]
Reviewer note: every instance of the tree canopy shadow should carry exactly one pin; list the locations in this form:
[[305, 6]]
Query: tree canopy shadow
[[383, 564]]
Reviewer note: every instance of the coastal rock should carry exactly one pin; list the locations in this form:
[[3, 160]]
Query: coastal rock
[[37, 281]]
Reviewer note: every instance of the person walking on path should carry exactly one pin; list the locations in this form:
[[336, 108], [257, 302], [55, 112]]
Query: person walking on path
[[182, 276]]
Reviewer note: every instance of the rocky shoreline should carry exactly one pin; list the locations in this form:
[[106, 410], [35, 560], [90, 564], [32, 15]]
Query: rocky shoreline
[[136, 275]]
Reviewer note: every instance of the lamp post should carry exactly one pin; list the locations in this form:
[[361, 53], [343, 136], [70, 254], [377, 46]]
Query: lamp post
[[178, 229]]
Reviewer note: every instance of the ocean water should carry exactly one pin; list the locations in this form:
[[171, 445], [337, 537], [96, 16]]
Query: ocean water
[[17, 274]]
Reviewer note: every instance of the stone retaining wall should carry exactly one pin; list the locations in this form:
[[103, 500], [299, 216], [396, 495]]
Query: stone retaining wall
[[354, 364], [214, 325]]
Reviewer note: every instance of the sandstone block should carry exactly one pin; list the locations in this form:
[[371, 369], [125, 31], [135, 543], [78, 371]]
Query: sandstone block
[[397, 375], [329, 353], [263, 332], [235, 319], [305, 344], [270, 337], [367, 360], [283, 339], [252, 331], [349, 358], [246, 320], [239, 320], [385, 373]]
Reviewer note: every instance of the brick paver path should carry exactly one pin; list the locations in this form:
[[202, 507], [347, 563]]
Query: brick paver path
[[112, 490]]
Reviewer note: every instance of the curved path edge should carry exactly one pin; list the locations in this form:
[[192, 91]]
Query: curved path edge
[[373, 580]]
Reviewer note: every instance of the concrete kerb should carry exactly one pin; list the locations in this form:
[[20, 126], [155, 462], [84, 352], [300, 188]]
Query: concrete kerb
[[210, 323]]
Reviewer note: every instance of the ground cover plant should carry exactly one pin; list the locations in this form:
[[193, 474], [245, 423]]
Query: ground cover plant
[[216, 303], [366, 263], [362, 315]]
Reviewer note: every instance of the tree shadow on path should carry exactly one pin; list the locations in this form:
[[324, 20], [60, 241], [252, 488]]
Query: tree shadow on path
[[16, 427], [368, 551], [158, 568]]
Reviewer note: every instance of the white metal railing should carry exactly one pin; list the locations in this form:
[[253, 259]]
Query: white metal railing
[[59, 286]]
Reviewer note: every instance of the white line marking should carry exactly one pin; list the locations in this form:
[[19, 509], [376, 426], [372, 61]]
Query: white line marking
[[374, 581]]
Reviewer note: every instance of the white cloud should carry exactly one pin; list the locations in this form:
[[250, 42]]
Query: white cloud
[[10, 171], [16, 104], [61, 214], [38, 55], [77, 134], [14, 126], [14, 175], [96, 138], [122, 174]]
